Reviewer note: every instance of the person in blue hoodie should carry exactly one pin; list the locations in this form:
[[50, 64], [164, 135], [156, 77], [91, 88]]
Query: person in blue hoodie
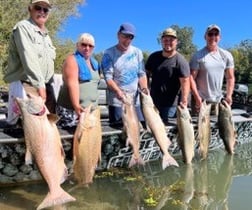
[[80, 82]]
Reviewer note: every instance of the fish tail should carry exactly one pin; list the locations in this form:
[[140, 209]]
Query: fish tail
[[168, 160], [136, 161], [28, 157], [55, 199]]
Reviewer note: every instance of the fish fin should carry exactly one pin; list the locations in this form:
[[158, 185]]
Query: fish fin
[[78, 186], [168, 160], [136, 161], [127, 141], [78, 133], [57, 199], [53, 118], [28, 157], [148, 129], [64, 175], [155, 109]]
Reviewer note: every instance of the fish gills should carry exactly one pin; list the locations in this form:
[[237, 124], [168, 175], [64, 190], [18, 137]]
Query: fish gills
[[87, 146], [132, 128], [226, 126], [157, 127], [43, 143], [204, 129], [186, 138]]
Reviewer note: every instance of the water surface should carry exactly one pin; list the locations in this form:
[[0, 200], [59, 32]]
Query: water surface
[[222, 182]]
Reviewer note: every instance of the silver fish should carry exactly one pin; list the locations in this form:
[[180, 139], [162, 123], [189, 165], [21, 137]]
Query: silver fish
[[132, 128], [43, 143], [157, 127], [189, 190], [226, 126], [87, 145], [204, 129], [202, 177], [186, 137]]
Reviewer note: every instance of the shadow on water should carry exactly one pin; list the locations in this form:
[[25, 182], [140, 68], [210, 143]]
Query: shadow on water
[[206, 185]]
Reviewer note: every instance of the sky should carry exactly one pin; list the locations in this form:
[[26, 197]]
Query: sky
[[102, 19]]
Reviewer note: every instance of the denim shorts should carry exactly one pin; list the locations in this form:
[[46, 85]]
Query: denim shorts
[[167, 112]]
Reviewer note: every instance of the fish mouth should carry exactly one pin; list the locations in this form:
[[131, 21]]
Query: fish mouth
[[40, 113]]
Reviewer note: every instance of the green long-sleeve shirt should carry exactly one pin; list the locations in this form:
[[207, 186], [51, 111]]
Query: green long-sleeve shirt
[[31, 55]]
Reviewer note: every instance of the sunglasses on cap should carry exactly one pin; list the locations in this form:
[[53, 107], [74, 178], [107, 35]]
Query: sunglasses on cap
[[39, 8], [128, 36], [211, 34], [86, 45]]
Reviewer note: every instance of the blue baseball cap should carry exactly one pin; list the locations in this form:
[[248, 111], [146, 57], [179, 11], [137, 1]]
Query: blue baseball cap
[[127, 28]]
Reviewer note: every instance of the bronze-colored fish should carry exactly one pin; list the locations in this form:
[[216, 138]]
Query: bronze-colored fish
[[157, 127], [204, 129], [87, 145], [226, 126], [43, 143], [186, 138], [132, 128]]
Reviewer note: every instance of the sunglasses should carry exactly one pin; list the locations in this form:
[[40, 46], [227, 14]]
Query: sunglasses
[[128, 36], [211, 34], [39, 8], [87, 45]]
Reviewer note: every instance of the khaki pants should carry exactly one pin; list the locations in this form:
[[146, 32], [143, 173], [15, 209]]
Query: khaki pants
[[50, 97]]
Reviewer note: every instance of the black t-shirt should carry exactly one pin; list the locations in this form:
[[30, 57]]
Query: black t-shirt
[[165, 84]]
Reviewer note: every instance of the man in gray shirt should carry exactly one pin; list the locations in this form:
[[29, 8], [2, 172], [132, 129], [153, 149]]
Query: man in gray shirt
[[208, 68], [31, 59]]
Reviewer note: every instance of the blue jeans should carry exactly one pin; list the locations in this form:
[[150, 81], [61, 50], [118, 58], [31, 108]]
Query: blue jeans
[[115, 114], [167, 112]]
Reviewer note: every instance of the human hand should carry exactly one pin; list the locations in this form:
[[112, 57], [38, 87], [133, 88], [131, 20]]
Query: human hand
[[120, 95], [183, 104], [198, 104], [229, 100], [79, 109], [145, 91]]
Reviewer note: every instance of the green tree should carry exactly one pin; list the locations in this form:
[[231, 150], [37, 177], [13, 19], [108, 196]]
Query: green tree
[[243, 61], [14, 10], [185, 45]]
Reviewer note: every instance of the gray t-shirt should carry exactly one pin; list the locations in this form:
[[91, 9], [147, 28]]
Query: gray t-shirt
[[211, 70]]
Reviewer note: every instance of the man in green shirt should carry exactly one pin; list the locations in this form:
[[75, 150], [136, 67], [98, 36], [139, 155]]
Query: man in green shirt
[[31, 59]]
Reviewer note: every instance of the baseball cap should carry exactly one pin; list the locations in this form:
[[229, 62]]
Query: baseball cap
[[169, 32], [45, 1], [127, 28], [211, 27]]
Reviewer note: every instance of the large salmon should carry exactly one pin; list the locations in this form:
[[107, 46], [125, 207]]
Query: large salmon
[[43, 143], [87, 145], [204, 129], [226, 126], [186, 138], [132, 128], [157, 127]]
